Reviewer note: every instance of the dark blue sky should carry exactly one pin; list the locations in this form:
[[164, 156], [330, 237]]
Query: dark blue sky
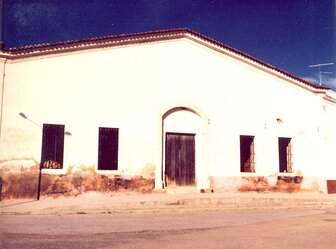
[[289, 34]]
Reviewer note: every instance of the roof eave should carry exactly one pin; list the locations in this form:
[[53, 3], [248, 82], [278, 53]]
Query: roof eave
[[147, 37]]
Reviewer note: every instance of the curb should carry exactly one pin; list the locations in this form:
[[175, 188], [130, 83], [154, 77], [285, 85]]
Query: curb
[[161, 203]]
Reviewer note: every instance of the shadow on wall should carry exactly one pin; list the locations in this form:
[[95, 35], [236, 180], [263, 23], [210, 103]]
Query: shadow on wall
[[22, 183]]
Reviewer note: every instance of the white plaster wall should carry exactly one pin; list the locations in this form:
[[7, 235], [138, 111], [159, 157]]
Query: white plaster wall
[[328, 136], [129, 87]]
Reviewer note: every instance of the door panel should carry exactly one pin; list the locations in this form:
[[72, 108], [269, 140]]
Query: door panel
[[180, 159]]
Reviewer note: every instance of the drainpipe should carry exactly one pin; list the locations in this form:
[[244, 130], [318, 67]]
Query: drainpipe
[[2, 94], [1, 20], [4, 66]]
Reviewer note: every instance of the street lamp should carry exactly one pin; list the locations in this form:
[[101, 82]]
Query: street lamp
[[25, 117], [40, 164]]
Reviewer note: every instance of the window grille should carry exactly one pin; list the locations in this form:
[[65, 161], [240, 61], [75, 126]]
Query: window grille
[[247, 154], [285, 154]]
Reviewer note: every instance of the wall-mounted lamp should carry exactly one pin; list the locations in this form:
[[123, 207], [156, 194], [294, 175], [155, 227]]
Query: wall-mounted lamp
[[67, 133], [279, 120], [25, 117]]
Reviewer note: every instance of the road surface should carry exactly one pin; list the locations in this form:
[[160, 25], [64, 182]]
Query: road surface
[[221, 229]]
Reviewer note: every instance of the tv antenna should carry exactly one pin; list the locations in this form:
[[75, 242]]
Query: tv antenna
[[320, 72]]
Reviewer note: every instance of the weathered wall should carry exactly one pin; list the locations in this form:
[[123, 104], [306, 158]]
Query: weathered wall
[[22, 182], [132, 87]]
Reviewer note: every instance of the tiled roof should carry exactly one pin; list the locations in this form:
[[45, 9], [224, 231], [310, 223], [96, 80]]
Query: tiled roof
[[139, 38]]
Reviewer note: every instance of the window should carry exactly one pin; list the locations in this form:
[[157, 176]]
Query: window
[[52, 146], [285, 154], [247, 154], [108, 148]]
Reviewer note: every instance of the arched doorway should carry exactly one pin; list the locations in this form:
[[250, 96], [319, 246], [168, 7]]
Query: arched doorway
[[182, 147]]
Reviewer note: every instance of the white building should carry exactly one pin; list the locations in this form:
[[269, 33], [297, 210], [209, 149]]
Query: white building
[[172, 104]]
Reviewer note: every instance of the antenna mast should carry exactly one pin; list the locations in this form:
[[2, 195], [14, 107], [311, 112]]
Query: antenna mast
[[319, 66]]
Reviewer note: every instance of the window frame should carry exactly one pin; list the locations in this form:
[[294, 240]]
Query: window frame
[[247, 154], [52, 149], [108, 148], [285, 154]]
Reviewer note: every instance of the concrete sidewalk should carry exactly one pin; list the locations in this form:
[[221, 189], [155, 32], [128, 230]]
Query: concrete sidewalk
[[105, 203]]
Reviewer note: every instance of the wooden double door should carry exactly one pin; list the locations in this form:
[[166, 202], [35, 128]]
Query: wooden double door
[[180, 159]]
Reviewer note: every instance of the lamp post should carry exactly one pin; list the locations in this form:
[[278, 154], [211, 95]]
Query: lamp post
[[40, 164]]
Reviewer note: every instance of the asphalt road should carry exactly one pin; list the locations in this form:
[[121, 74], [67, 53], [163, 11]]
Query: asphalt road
[[224, 229]]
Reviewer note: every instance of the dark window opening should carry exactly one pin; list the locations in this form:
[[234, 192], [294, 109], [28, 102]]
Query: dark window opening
[[108, 148], [52, 146], [285, 154], [247, 154]]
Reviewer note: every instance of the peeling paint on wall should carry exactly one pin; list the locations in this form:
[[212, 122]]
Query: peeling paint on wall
[[21, 182], [261, 184]]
